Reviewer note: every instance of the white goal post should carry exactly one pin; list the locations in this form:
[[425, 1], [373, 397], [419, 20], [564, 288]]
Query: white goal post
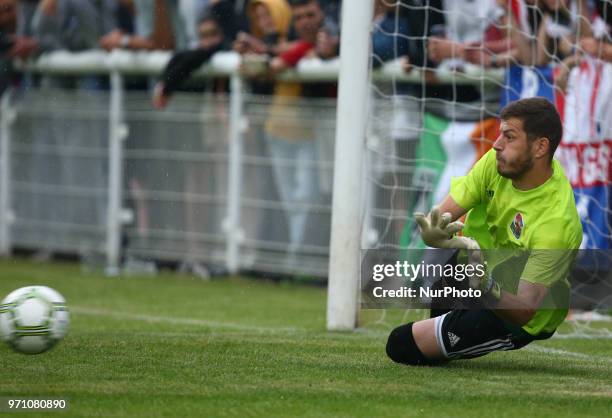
[[351, 120]]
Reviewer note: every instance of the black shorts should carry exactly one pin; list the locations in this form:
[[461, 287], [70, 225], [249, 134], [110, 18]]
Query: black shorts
[[474, 333]]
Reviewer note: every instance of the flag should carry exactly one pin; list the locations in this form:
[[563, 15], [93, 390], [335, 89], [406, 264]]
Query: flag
[[522, 82], [586, 149], [446, 149]]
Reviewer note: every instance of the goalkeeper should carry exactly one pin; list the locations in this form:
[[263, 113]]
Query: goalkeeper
[[517, 198]]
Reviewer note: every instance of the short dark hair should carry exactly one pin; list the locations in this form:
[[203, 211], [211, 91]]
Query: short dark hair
[[540, 119]]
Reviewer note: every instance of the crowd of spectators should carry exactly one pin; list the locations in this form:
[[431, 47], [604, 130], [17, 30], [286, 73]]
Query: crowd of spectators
[[449, 34], [491, 33]]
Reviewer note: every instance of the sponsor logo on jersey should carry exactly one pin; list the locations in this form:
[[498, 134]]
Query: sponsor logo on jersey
[[516, 226]]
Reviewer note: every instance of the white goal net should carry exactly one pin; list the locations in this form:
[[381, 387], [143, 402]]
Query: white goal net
[[462, 61]]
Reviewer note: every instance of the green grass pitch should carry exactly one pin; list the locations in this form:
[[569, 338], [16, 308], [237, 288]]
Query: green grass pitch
[[174, 346]]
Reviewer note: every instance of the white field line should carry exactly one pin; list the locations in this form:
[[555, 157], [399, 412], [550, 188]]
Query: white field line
[[595, 335], [183, 321], [549, 350], [80, 310], [279, 330]]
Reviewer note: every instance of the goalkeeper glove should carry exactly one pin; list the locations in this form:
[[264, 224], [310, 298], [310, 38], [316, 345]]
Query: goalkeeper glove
[[484, 282], [437, 231]]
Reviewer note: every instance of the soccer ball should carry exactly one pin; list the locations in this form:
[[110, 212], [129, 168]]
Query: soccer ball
[[33, 319]]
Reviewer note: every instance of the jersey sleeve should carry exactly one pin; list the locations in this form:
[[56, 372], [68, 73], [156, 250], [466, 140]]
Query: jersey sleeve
[[553, 253], [548, 267], [469, 191]]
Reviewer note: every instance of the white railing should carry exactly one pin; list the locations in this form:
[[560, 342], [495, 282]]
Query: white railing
[[228, 63]]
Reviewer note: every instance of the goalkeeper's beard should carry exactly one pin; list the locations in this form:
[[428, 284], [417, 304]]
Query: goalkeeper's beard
[[517, 168]]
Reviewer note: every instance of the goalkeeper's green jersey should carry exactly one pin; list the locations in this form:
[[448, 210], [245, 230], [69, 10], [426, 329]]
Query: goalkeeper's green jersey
[[544, 218]]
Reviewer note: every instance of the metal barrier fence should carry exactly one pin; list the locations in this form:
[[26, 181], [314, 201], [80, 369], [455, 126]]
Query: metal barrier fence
[[58, 159], [182, 198], [177, 185]]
